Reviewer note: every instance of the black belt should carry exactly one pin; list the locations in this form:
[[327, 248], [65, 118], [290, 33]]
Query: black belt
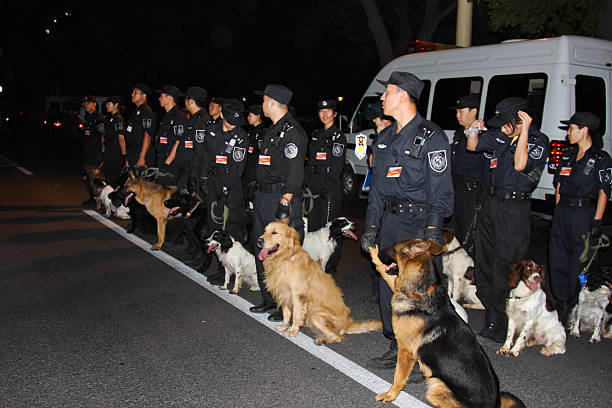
[[270, 188], [317, 170], [467, 186], [577, 202], [507, 194], [404, 208]]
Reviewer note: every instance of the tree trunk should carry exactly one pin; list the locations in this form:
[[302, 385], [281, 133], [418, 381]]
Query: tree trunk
[[379, 31], [432, 17]]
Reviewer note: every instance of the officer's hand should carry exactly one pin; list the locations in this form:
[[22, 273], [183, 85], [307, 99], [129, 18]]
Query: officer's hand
[[434, 235], [140, 163], [282, 212], [164, 168], [368, 238], [596, 228], [525, 119], [124, 162]]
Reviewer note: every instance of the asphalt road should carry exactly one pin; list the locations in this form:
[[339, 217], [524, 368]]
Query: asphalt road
[[91, 318]]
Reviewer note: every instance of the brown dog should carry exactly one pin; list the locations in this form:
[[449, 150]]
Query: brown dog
[[303, 290], [427, 329], [152, 196]]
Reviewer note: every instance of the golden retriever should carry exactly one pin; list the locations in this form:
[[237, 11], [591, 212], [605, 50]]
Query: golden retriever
[[304, 292]]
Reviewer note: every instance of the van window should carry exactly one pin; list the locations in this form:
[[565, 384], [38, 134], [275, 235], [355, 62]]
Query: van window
[[532, 87], [359, 121], [591, 97], [424, 99], [446, 93]]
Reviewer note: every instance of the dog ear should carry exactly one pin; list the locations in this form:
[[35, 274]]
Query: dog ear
[[447, 235], [435, 248], [516, 274], [416, 248]]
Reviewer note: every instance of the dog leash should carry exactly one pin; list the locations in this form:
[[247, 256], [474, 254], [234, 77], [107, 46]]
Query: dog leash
[[219, 220], [603, 242], [308, 201]]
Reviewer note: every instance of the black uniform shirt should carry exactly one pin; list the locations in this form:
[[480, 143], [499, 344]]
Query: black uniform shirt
[[326, 151], [585, 177], [466, 165], [92, 130], [171, 129], [228, 151], [113, 127], [197, 125], [413, 167], [256, 134], [503, 174], [281, 159], [142, 120]]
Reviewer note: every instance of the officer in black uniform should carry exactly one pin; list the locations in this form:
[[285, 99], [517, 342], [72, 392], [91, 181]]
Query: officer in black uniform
[[170, 134], [114, 142], [228, 146], [92, 139], [214, 107], [256, 132], [139, 130], [280, 178], [468, 170], [582, 183], [376, 115], [411, 190], [322, 178], [502, 236], [195, 101]]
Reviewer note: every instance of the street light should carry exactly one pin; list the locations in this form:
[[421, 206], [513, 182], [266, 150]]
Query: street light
[[340, 98]]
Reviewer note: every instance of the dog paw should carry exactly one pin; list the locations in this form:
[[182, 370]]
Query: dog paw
[[595, 339], [254, 288], [386, 397], [156, 247], [513, 353], [234, 291], [282, 328], [549, 351], [224, 287], [503, 351], [292, 332], [575, 333]]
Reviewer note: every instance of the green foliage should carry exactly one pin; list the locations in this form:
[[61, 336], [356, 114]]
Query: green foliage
[[544, 18]]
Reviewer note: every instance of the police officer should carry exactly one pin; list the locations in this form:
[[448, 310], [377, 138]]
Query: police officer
[[114, 142], [195, 100], [228, 146], [324, 166], [376, 115], [502, 237], [139, 129], [280, 178], [214, 107], [411, 190], [256, 132], [582, 187], [92, 139], [170, 134], [468, 170]]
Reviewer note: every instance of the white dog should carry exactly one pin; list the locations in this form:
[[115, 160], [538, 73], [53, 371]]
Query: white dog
[[458, 266], [103, 200], [529, 313], [590, 312], [235, 259], [322, 243]]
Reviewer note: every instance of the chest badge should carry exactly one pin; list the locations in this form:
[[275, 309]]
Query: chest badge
[[338, 149]]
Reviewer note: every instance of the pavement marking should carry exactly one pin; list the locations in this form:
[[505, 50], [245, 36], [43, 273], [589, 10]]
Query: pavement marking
[[11, 163], [337, 361]]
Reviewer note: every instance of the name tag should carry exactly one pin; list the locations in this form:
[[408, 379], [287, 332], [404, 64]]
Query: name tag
[[565, 171], [129, 128], [394, 171], [163, 140], [250, 149], [221, 159], [493, 163], [188, 144], [264, 160], [321, 156]]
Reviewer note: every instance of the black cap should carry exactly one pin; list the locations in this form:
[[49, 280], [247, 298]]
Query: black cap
[[143, 88], [217, 99], [327, 104], [407, 81], [374, 111], [279, 93], [114, 99], [171, 90], [89, 98], [197, 94], [468, 101], [233, 112], [255, 110], [506, 111], [582, 119]]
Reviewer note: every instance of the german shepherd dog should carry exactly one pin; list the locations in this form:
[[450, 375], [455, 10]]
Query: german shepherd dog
[[458, 372], [152, 196]]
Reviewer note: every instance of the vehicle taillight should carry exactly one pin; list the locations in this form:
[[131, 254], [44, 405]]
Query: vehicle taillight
[[557, 147], [80, 126], [57, 124]]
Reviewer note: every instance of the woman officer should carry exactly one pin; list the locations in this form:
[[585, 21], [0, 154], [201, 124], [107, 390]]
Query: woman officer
[[582, 184]]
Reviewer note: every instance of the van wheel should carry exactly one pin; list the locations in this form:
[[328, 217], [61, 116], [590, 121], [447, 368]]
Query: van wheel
[[349, 184]]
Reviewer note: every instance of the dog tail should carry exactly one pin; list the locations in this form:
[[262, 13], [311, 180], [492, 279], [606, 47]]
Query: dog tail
[[510, 401], [364, 327]]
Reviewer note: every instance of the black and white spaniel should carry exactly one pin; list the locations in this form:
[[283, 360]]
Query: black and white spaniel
[[322, 243], [531, 314], [236, 260], [590, 313]]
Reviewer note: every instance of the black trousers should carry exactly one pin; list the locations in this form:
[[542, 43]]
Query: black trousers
[[501, 240], [227, 210], [393, 228], [464, 208], [565, 245], [265, 207], [112, 167]]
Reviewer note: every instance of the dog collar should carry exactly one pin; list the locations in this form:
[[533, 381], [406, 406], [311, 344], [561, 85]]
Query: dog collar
[[192, 210], [419, 295]]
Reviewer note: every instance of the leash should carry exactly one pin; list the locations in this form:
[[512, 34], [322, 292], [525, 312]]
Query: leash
[[308, 201], [602, 242], [188, 214], [219, 220], [472, 228]]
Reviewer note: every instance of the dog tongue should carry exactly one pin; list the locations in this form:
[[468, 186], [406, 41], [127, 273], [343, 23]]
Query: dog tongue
[[533, 286], [210, 248], [263, 254], [350, 234], [127, 199]]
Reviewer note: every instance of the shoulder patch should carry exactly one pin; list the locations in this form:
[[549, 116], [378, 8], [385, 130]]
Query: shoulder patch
[[535, 152], [291, 150], [437, 160], [605, 176], [338, 149]]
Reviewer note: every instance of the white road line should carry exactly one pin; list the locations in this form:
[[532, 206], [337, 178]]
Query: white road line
[[13, 164], [339, 362]]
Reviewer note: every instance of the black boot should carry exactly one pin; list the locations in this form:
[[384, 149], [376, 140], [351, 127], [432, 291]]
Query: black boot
[[219, 277], [387, 360]]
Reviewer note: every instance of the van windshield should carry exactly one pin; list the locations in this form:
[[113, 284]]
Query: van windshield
[[591, 97]]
